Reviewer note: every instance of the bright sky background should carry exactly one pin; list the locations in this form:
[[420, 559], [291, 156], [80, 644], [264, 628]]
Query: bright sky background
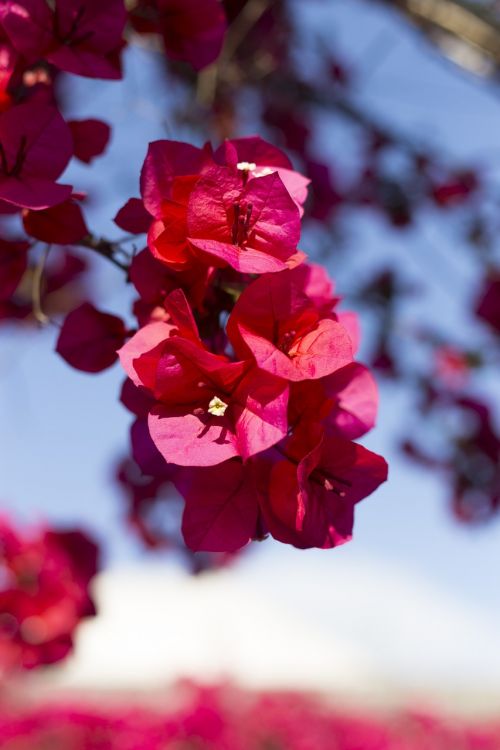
[[411, 570]]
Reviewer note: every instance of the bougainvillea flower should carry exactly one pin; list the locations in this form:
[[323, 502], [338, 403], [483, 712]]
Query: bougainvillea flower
[[89, 339], [346, 401], [62, 224], [275, 322], [222, 509], [254, 228], [35, 147], [254, 157], [90, 138], [314, 486], [13, 264], [79, 36], [209, 409], [44, 594], [192, 30], [165, 161], [224, 418]]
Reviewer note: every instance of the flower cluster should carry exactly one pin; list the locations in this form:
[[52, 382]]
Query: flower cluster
[[243, 367], [228, 718], [44, 594]]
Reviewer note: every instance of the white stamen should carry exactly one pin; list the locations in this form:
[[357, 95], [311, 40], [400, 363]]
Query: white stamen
[[263, 171], [217, 407], [246, 166]]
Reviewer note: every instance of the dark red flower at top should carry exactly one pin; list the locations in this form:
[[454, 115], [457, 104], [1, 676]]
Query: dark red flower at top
[[35, 147], [192, 30], [79, 36], [255, 228], [276, 323], [314, 487], [44, 579]]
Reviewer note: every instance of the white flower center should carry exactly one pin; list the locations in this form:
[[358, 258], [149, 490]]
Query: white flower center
[[217, 407], [246, 166], [263, 171]]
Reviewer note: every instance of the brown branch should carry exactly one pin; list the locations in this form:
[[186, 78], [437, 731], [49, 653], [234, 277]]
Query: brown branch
[[36, 288], [105, 248]]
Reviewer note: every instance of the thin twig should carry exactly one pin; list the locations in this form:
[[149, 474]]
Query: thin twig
[[239, 29], [104, 247], [36, 288]]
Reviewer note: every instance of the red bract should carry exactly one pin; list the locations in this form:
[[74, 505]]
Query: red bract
[[254, 228], [89, 339], [314, 487], [43, 595], [62, 224], [90, 138], [133, 217], [35, 147], [165, 161], [79, 36], [345, 402], [221, 511], [192, 30], [277, 324], [167, 236], [8, 59], [13, 264]]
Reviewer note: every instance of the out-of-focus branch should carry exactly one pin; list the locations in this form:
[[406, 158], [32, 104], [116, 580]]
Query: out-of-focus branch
[[466, 32], [106, 248], [282, 86], [36, 289]]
